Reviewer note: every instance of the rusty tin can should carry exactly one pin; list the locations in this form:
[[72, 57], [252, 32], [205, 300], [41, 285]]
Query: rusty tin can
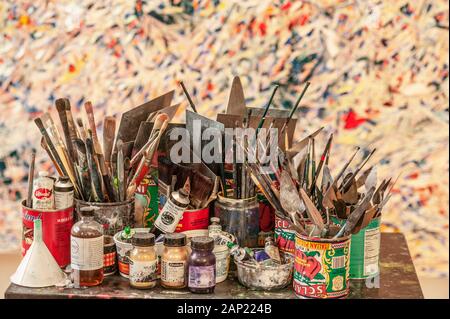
[[284, 235]]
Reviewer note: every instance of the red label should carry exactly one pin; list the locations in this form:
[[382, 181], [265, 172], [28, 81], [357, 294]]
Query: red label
[[194, 220], [43, 193], [315, 291], [56, 226]]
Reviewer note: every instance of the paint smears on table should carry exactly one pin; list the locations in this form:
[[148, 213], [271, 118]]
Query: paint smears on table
[[384, 62]]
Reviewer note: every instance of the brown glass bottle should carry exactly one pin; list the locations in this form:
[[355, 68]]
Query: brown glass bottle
[[87, 250]]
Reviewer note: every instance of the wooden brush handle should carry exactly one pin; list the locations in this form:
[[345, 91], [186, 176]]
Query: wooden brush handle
[[109, 130], [61, 107], [30, 180], [90, 115]]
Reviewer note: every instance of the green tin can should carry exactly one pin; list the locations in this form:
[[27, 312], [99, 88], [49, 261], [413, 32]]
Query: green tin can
[[365, 251], [321, 267]]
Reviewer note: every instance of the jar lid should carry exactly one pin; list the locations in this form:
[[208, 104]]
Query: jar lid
[[88, 211], [143, 239], [202, 243], [175, 240], [215, 220], [43, 174]]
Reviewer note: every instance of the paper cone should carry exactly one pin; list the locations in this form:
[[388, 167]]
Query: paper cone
[[38, 268]]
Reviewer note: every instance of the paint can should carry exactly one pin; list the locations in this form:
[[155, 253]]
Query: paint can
[[284, 235], [56, 226], [193, 219], [113, 216], [321, 267], [365, 251], [109, 256], [239, 217]]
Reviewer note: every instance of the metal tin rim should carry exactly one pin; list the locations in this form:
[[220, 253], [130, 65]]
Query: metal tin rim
[[99, 204], [44, 210]]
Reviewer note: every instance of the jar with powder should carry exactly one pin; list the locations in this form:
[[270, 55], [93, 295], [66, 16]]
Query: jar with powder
[[143, 261], [202, 266], [174, 261]]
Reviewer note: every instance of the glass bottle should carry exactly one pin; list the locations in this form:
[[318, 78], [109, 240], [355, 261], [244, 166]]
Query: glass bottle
[[215, 229], [86, 250], [143, 264], [202, 266], [174, 261]]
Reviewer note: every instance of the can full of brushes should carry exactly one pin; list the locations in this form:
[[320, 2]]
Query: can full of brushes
[[284, 235], [321, 267], [365, 251]]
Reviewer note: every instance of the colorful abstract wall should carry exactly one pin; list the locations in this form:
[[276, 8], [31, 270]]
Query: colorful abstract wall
[[379, 73]]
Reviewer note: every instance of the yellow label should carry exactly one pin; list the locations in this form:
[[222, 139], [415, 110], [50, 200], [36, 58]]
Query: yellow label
[[312, 245]]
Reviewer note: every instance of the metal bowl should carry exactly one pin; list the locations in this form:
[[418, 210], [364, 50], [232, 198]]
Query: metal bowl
[[262, 277]]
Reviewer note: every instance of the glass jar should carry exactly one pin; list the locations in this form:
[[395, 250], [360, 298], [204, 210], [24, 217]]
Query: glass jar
[[86, 250], [239, 217], [143, 262], [174, 261], [202, 266]]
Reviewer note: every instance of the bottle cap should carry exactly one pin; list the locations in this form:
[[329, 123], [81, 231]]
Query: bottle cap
[[202, 243], [143, 239], [230, 244], [269, 239], [63, 179], [175, 240], [215, 220], [88, 211]]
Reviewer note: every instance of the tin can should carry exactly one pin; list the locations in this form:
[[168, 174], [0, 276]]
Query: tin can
[[193, 219], [321, 267], [284, 235], [56, 226], [109, 256], [63, 193], [43, 196], [365, 251]]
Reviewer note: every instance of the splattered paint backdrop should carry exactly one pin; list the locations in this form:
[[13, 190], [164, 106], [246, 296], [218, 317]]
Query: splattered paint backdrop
[[379, 72]]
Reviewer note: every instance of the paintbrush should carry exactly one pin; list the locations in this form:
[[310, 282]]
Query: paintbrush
[[96, 187], [72, 128], [83, 168], [295, 107], [82, 129], [121, 179], [188, 97], [61, 107], [45, 146], [345, 186], [160, 119], [263, 117], [91, 120], [321, 163], [144, 166], [109, 131], [29, 201]]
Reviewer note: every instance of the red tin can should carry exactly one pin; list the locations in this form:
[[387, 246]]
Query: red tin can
[[194, 219], [56, 226]]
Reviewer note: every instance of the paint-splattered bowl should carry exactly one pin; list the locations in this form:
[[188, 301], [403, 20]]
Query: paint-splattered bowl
[[261, 277]]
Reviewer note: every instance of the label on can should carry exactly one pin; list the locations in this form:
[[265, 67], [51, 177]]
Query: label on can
[[193, 220], [222, 264], [147, 201], [142, 272], [63, 199], [173, 272], [169, 217], [284, 235], [56, 226], [86, 253], [202, 276], [365, 251], [43, 197], [321, 269]]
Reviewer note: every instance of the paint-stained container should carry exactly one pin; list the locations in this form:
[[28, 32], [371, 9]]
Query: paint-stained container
[[284, 235], [193, 219], [321, 267], [365, 251], [56, 226], [147, 201]]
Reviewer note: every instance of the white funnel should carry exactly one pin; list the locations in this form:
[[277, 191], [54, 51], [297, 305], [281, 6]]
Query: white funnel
[[38, 268]]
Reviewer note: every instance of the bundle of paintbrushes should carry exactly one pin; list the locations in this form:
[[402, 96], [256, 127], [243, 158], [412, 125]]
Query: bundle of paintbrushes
[[307, 194], [113, 172]]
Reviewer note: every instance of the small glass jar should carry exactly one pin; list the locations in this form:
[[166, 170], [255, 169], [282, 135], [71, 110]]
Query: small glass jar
[[143, 263], [239, 217], [174, 261], [86, 250], [202, 266]]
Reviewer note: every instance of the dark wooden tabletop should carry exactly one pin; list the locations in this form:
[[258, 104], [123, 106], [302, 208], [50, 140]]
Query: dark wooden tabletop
[[398, 279]]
